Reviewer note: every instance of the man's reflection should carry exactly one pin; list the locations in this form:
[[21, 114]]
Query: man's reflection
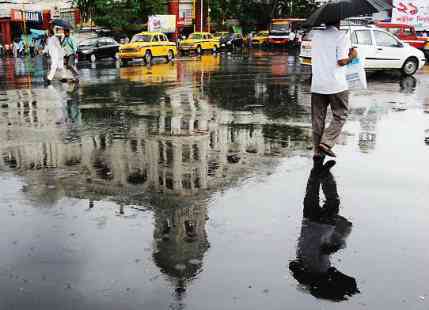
[[323, 233]]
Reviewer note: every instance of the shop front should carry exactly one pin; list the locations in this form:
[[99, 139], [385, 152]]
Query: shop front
[[19, 22]]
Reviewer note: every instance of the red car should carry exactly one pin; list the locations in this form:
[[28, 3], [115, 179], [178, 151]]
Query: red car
[[405, 33]]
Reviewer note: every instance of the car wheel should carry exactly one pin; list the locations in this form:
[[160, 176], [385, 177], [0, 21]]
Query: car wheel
[[199, 50], [170, 56], [410, 66], [148, 57], [93, 58]]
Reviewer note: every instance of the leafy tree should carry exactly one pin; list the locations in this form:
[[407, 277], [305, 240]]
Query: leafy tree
[[86, 8], [258, 13], [121, 14]]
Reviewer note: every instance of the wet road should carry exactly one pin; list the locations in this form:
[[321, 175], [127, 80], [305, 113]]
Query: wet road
[[181, 186]]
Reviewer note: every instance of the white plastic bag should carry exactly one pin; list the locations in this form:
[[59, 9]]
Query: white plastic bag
[[355, 75]]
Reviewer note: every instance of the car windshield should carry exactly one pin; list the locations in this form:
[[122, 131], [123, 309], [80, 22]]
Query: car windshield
[[280, 28], [220, 34], [262, 34], [195, 36], [90, 42], [142, 38]]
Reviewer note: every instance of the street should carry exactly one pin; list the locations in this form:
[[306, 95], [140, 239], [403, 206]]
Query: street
[[181, 186]]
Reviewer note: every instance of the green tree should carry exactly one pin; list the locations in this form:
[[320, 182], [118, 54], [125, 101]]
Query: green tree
[[257, 13], [125, 15], [86, 8]]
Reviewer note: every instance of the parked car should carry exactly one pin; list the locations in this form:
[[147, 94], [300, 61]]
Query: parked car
[[380, 50], [260, 38], [199, 42], [231, 41], [407, 34], [148, 45], [97, 48]]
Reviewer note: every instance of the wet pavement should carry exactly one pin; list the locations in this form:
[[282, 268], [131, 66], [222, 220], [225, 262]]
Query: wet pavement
[[181, 186]]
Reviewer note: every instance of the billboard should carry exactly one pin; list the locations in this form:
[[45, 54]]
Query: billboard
[[411, 12], [162, 23], [29, 16]]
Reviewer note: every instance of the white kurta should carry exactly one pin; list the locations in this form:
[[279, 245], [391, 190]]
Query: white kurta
[[56, 52]]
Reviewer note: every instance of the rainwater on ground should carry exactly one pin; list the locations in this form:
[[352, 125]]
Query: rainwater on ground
[[181, 186]]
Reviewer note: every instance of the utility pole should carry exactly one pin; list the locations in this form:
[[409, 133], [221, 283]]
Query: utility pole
[[208, 15], [202, 16]]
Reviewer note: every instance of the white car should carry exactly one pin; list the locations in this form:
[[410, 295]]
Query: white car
[[379, 49]]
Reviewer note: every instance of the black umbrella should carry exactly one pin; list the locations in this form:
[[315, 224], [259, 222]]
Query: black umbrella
[[333, 12], [62, 23]]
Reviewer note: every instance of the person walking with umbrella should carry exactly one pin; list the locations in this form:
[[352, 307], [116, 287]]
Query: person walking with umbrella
[[70, 49], [53, 48], [331, 52]]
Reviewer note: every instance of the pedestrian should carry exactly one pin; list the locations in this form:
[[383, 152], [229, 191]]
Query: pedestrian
[[331, 52], [55, 51], [292, 37], [70, 50], [15, 47], [21, 48]]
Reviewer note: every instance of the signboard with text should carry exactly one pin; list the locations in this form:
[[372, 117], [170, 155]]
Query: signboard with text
[[411, 12], [162, 23], [29, 16]]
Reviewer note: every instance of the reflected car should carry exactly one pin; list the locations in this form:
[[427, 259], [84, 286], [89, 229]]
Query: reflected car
[[261, 38], [97, 48], [199, 42], [380, 50], [146, 46], [231, 42], [166, 72]]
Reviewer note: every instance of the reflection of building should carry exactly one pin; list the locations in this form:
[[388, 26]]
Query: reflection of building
[[180, 241]]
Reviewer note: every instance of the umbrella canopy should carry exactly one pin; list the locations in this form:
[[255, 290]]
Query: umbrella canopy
[[36, 33], [333, 12], [62, 23]]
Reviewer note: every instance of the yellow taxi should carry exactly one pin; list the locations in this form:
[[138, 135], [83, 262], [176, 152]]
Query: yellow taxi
[[148, 45], [199, 41], [260, 38]]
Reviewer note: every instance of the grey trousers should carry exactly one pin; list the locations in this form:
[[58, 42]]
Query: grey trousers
[[70, 62], [319, 106]]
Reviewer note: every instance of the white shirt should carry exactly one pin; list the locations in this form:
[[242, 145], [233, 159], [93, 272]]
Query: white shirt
[[327, 47], [53, 47]]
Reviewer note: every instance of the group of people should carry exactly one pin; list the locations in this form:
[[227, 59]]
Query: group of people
[[21, 47], [62, 53]]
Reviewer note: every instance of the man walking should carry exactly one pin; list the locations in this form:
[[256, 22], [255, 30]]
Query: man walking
[[331, 51], [70, 49], [53, 48]]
